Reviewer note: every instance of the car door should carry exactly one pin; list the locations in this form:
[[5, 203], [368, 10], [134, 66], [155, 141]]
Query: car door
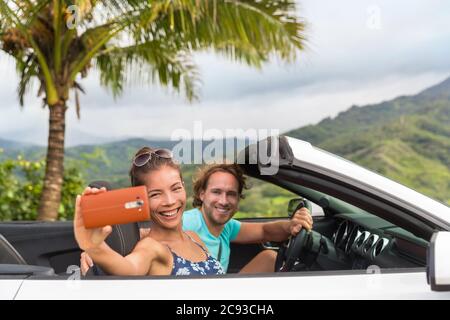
[[399, 284], [48, 244], [241, 254], [9, 286]]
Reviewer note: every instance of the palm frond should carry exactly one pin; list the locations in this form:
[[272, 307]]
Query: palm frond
[[27, 70], [148, 40], [249, 31], [150, 62]]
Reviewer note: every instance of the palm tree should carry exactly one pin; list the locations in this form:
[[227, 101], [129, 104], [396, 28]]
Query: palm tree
[[57, 42]]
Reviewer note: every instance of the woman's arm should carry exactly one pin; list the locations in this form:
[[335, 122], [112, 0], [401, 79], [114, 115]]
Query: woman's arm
[[137, 263]]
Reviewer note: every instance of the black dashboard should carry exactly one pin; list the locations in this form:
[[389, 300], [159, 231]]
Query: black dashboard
[[372, 241]]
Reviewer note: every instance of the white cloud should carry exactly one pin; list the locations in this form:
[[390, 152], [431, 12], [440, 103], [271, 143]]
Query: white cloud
[[273, 110]]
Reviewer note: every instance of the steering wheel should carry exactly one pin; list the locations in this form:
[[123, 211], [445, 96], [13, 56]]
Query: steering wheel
[[291, 250], [289, 253]]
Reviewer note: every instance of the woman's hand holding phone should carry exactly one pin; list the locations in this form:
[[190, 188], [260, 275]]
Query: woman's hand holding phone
[[88, 239]]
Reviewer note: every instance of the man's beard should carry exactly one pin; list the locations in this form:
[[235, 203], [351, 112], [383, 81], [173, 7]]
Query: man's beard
[[209, 212]]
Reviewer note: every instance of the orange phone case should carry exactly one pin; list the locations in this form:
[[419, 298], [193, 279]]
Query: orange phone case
[[115, 207]]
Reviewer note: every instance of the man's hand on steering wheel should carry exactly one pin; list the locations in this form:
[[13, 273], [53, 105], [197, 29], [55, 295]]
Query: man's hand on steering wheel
[[300, 224], [300, 219]]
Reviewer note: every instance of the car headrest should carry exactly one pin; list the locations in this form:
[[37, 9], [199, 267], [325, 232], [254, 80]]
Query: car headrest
[[100, 184]]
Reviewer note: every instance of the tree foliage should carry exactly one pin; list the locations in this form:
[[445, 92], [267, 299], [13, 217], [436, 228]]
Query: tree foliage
[[21, 188], [58, 42]]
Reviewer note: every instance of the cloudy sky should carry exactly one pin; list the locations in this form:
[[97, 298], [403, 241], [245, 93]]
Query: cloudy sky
[[359, 52]]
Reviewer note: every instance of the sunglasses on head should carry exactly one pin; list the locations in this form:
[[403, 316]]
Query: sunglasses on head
[[144, 158]]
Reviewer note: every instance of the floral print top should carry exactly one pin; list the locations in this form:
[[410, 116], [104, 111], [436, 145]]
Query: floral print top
[[184, 267]]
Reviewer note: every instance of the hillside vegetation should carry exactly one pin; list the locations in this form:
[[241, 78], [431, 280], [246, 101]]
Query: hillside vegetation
[[406, 139]]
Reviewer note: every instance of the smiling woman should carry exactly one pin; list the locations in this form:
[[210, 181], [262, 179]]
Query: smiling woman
[[166, 250]]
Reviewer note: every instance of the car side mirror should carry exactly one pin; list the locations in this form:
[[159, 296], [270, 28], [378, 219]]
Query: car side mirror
[[438, 264], [294, 203]]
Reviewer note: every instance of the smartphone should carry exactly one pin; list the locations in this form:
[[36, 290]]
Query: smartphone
[[115, 207]]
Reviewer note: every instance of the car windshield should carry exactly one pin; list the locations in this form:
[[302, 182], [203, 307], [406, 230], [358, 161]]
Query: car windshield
[[380, 179]]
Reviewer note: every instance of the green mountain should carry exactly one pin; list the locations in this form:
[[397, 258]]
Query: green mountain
[[108, 161], [9, 148], [406, 139]]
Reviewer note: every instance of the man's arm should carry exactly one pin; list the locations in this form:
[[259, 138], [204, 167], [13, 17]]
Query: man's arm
[[274, 231]]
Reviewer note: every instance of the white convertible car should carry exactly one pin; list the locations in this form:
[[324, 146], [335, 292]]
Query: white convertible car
[[376, 239]]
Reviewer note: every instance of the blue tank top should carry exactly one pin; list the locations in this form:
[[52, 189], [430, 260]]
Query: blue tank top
[[184, 267]]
